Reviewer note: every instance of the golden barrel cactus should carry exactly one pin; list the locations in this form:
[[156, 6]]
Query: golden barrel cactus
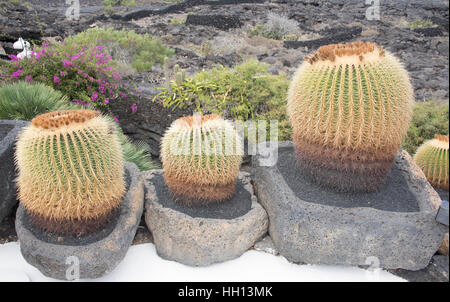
[[432, 157], [350, 106], [201, 159], [70, 165]]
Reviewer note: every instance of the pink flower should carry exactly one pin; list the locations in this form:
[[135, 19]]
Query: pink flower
[[94, 97], [14, 58], [67, 64], [106, 101], [63, 73], [56, 80], [17, 73], [29, 78], [116, 119], [116, 75], [133, 108]]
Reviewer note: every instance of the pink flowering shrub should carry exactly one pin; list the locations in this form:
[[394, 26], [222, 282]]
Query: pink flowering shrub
[[86, 75]]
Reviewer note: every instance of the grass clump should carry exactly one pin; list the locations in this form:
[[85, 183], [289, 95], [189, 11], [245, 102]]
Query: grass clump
[[277, 27], [245, 92], [421, 23], [429, 118], [23, 101], [126, 47]]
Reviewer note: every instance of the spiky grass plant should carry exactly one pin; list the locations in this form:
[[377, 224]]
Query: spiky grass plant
[[23, 101], [201, 159], [70, 171], [350, 106], [432, 157]]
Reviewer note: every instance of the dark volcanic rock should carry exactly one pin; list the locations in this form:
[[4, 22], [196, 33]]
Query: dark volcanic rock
[[340, 35], [217, 21], [8, 135], [436, 271]]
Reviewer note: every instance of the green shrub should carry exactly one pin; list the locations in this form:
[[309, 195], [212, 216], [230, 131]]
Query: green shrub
[[140, 51], [245, 92], [85, 74], [23, 101], [429, 118]]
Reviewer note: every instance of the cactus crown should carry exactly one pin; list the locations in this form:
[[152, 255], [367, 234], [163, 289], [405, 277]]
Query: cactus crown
[[70, 171], [433, 158], [350, 106], [355, 52], [201, 158]]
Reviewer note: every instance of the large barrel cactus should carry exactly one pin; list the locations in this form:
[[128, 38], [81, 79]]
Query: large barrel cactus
[[350, 106], [70, 171], [432, 157], [201, 159]]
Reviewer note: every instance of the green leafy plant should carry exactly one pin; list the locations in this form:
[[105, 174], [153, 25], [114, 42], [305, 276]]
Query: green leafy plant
[[247, 91], [429, 118], [127, 47], [23, 101]]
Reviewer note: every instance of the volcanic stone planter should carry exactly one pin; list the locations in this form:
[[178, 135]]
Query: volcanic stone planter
[[8, 134], [98, 254], [203, 235], [312, 224]]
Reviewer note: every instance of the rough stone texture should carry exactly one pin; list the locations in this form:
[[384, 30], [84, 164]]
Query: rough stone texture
[[97, 258], [8, 134], [200, 241], [436, 271], [443, 249], [266, 245], [321, 234], [218, 21]]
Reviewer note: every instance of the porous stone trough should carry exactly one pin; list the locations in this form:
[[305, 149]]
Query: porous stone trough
[[8, 134], [315, 225], [97, 254], [207, 234]]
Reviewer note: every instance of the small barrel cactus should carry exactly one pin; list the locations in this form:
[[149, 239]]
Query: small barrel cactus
[[201, 159], [432, 157], [70, 166], [350, 106]]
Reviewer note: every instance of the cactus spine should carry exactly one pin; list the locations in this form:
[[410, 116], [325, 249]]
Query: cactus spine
[[70, 171], [350, 106], [432, 157], [200, 159]]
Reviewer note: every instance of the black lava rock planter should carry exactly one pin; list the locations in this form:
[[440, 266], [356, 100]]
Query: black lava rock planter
[[315, 225], [8, 134], [98, 254], [203, 235]]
